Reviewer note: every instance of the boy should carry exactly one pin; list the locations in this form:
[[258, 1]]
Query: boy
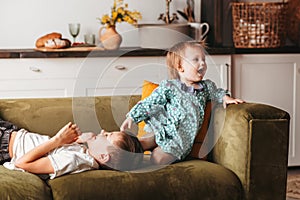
[[66, 153]]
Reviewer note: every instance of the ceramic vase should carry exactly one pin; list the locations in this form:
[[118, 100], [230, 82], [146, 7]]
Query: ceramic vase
[[110, 38]]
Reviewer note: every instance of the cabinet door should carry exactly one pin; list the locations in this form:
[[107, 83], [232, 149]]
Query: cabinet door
[[68, 77], [219, 70], [25, 78], [119, 76], [274, 80]]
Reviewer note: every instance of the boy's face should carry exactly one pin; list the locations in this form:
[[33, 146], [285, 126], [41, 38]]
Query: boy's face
[[193, 66], [99, 144]]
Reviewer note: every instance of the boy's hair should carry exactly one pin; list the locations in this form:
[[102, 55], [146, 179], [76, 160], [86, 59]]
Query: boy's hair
[[126, 153], [175, 56]]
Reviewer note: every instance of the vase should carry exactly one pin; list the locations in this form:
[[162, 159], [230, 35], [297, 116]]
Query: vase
[[110, 38]]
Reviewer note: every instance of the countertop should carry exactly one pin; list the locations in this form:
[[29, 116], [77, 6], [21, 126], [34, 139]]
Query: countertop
[[132, 51]]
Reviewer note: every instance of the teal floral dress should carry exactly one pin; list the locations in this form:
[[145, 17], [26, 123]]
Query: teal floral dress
[[174, 112]]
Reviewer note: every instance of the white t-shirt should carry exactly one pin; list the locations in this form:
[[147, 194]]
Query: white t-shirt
[[70, 158]]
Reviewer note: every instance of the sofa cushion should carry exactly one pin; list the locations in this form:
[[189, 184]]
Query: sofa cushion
[[195, 179], [147, 89], [22, 185], [48, 115]]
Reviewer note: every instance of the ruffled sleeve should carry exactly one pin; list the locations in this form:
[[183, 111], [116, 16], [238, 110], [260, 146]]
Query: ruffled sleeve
[[215, 94], [146, 108]]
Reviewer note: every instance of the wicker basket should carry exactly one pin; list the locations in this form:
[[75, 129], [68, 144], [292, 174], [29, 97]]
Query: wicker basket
[[259, 25]]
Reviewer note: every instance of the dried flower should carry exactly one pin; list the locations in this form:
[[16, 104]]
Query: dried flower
[[120, 13]]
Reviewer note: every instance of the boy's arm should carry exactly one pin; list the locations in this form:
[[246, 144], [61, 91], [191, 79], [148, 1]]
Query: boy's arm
[[35, 161]]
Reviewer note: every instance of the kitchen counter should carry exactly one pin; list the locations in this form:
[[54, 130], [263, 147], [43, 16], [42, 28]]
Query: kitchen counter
[[123, 51], [284, 50], [132, 51]]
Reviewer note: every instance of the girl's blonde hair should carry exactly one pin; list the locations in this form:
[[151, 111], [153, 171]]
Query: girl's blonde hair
[[176, 54]]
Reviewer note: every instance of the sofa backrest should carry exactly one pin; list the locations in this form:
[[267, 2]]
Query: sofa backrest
[[48, 115]]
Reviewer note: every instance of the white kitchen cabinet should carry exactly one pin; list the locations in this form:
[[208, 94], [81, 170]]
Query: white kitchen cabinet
[[25, 78], [68, 77], [92, 76], [117, 76], [219, 70], [272, 79]]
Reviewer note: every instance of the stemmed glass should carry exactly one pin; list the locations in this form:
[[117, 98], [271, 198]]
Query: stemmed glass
[[74, 29]]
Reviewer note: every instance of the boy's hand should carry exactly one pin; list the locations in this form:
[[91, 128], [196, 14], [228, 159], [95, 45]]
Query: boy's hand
[[68, 134], [35, 161], [126, 124], [230, 100]]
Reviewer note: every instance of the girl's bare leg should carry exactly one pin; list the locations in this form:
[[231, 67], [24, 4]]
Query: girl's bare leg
[[148, 141], [159, 157]]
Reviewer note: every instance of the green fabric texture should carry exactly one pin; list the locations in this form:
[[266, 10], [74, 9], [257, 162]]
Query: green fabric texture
[[187, 180], [47, 116], [248, 161], [18, 185], [253, 143]]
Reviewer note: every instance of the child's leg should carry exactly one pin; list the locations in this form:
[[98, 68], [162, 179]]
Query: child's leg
[[4, 146], [148, 141], [159, 157]]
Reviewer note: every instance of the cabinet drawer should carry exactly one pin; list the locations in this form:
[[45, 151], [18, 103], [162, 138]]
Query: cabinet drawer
[[129, 72], [77, 76], [40, 68], [37, 88], [116, 66]]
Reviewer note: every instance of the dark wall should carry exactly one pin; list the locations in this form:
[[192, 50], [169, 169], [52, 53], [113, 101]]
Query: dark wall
[[217, 13]]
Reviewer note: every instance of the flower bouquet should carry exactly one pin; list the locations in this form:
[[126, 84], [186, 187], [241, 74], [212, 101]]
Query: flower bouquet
[[120, 13]]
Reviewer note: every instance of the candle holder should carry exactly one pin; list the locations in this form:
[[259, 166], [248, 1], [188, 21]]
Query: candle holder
[[166, 16]]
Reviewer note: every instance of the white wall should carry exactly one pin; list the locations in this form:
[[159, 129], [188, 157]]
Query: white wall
[[23, 21]]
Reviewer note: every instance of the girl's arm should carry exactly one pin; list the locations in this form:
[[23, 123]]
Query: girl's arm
[[215, 94], [230, 100], [220, 95], [35, 161], [144, 109]]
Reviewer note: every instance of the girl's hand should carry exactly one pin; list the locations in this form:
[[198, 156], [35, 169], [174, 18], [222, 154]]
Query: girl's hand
[[230, 100], [126, 124]]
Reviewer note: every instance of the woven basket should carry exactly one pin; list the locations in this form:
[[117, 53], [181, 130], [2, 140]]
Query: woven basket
[[259, 25]]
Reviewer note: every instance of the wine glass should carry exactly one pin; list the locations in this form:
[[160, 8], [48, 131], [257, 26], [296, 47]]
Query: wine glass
[[74, 29]]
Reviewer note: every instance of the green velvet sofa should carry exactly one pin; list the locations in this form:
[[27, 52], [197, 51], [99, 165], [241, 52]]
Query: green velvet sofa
[[248, 161]]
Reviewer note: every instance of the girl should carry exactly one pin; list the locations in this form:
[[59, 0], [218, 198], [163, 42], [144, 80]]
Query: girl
[[174, 112]]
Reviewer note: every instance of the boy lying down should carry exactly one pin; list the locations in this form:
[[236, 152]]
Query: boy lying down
[[69, 151]]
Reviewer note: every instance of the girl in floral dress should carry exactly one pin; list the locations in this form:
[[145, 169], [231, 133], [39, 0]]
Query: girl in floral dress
[[174, 112]]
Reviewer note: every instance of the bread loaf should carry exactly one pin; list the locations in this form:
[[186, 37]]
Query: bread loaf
[[52, 40]]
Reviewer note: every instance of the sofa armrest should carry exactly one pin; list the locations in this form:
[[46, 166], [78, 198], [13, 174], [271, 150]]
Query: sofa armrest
[[252, 141]]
